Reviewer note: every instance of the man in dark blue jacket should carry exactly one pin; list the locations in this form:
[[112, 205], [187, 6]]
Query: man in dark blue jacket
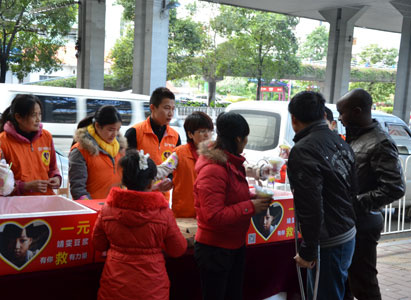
[[380, 182], [321, 171]]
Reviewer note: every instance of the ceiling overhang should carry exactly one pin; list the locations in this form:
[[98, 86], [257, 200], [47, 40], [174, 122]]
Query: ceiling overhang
[[380, 14]]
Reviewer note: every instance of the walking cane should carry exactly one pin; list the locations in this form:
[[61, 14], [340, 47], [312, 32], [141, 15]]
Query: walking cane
[[317, 273]]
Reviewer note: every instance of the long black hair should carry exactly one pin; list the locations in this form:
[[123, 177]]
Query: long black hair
[[231, 126], [134, 178], [22, 104]]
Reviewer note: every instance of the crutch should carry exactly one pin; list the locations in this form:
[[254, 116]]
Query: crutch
[[317, 273]]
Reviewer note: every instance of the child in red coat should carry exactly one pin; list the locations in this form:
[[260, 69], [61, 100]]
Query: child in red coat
[[136, 226]]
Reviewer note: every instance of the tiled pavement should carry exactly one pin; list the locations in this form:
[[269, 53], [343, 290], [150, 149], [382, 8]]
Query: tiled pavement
[[394, 267]]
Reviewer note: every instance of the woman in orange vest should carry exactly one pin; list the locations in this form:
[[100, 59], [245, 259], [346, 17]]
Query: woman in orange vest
[[28, 148], [93, 158], [198, 127]]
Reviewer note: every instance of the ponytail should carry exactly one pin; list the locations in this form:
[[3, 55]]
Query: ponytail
[[85, 122], [135, 178], [5, 117]]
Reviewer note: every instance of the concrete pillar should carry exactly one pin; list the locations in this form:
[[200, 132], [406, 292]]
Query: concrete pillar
[[402, 99], [337, 73], [91, 35], [150, 46]]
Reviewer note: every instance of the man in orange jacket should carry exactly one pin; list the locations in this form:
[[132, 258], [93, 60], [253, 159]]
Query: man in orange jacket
[[154, 135]]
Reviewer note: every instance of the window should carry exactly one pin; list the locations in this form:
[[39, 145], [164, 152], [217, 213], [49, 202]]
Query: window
[[397, 130], [147, 110], [123, 107], [264, 129], [45, 77], [58, 109]]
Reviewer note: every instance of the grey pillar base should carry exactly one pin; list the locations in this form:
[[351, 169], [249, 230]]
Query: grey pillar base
[[337, 74], [402, 99], [90, 64], [150, 46]]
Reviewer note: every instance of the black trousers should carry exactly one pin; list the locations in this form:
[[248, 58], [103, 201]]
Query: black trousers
[[221, 271], [362, 274]]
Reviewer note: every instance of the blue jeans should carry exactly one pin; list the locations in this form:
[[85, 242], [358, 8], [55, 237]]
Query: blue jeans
[[334, 264]]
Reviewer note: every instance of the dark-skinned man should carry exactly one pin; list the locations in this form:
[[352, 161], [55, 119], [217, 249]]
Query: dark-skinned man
[[380, 182]]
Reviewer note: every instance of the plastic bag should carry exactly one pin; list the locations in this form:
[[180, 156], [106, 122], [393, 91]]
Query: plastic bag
[[6, 178]]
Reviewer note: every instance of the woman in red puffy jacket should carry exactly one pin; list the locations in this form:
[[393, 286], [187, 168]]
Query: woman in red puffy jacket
[[224, 209], [136, 226]]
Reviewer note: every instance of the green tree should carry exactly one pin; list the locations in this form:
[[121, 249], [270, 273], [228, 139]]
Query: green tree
[[265, 45], [129, 7], [31, 32], [122, 56], [216, 59], [374, 54], [381, 92], [186, 38], [237, 86], [316, 44]]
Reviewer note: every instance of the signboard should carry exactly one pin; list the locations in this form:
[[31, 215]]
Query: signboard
[[276, 223], [55, 234], [274, 89]]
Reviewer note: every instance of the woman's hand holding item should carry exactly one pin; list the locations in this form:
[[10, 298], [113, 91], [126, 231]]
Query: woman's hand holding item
[[36, 186], [164, 186], [266, 170], [54, 182], [261, 204]]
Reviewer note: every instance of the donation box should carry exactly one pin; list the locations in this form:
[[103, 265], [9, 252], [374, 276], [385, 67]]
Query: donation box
[[44, 232], [276, 223]]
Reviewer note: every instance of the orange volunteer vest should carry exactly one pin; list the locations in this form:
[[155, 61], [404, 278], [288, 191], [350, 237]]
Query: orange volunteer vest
[[183, 180], [102, 175], [29, 161], [148, 141]]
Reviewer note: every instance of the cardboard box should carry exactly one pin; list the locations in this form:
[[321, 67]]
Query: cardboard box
[[275, 224], [44, 232]]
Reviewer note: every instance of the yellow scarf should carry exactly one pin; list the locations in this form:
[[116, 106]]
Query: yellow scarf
[[112, 148]]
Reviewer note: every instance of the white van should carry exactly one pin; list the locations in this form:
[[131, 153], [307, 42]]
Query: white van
[[63, 108], [270, 126]]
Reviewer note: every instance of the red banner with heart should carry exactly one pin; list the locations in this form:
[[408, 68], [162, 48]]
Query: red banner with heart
[[276, 223], [43, 243]]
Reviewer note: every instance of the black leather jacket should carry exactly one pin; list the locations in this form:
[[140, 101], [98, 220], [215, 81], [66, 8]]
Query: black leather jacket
[[379, 172], [321, 170]]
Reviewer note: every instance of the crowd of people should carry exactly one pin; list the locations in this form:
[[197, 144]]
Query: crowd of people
[[339, 185]]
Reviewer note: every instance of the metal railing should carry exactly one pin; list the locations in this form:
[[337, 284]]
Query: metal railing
[[398, 210], [397, 215], [213, 112]]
